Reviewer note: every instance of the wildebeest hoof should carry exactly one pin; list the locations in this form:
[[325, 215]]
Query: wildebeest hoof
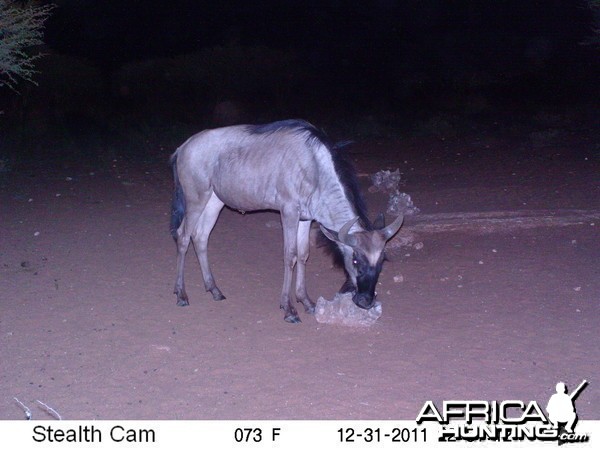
[[182, 298], [216, 294], [290, 318], [309, 306], [218, 297]]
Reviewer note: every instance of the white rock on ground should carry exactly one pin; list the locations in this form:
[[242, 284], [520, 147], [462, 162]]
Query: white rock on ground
[[342, 311]]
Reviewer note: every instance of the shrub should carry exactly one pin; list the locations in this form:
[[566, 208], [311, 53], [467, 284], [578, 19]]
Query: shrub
[[20, 30]]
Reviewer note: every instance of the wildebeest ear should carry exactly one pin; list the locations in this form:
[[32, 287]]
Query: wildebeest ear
[[379, 222], [329, 234]]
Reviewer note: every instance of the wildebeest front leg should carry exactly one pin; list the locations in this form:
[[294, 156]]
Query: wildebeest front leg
[[290, 220], [205, 225], [303, 252]]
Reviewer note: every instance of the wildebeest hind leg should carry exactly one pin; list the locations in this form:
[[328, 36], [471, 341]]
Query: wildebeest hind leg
[[195, 206], [183, 242], [205, 224]]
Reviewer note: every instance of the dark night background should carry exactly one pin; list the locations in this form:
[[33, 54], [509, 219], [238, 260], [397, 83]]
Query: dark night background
[[361, 68], [485, 114]]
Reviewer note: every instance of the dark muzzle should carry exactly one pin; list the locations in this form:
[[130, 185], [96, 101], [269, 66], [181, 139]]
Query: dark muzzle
[[365, 287], [364, 301]]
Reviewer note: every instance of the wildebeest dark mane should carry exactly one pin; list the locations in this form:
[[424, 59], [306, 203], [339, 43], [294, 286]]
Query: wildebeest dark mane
[[297, 125], [341, 161], [343, 167], [347, 175]]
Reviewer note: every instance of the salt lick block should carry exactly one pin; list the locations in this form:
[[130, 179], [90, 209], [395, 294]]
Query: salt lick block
[[342, 311]]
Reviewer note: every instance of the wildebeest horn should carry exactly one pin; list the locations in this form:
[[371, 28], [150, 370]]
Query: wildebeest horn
[[392, 228], [344, 236]]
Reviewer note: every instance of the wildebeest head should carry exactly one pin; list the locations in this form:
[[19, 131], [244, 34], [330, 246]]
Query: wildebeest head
[[363, 257]]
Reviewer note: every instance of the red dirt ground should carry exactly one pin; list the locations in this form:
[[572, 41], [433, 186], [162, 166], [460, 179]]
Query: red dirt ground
[[89, 325]]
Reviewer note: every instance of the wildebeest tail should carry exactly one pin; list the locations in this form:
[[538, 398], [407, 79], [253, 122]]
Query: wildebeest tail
[[178, 201]]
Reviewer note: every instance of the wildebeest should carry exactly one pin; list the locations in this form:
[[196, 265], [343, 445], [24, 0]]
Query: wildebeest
[[288, 166]]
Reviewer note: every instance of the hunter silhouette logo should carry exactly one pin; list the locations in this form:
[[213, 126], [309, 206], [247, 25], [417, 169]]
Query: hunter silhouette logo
[[561, 410], [508, 420]]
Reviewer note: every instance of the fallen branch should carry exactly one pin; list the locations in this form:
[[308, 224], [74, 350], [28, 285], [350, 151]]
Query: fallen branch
[[50, 410], [29, 415], [25, 409]]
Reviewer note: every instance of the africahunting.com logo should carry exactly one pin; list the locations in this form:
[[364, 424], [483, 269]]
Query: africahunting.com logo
[[509, 420]]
